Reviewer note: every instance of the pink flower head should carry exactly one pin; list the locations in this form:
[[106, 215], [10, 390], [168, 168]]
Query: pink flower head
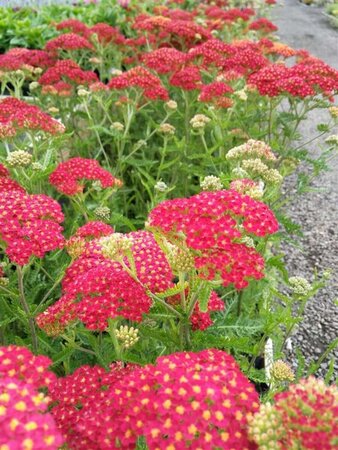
[[97, 288], [188, 78], [29, 225], [17, 116], [6, 183], [68, 41], [25, 422], [186, 400], [210, 222], [66, 177], [75, 394], [19, 363], [140, 77]]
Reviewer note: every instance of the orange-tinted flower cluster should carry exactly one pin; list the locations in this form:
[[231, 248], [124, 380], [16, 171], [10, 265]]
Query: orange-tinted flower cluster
[[97, 288], [29, 225], [187, 400], [17, 116], [25, 423], [212, 223], [67, 177], [142, 78]]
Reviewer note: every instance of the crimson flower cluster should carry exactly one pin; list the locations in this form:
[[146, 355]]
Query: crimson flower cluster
[[213, 224], [142, 78], [6, 183], [29, 225], [68, 41], [67, 177], [17, 116], [215, 93], [186, 400], [23, 58], [164, 60], [306, 78], [75, 394], [63, 75], [25, 423], [96, 288]]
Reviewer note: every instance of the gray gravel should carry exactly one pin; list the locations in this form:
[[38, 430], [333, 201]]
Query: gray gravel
[[306, 27]]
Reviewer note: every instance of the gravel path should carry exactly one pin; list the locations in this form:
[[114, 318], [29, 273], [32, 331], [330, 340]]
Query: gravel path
[[306, 27]]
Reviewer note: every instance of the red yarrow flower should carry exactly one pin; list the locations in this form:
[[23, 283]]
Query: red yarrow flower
[[67, 71], [29, 225], [197, 400], [213, 224], [164, 60], [67, 177], [17, 116], [68, 41]]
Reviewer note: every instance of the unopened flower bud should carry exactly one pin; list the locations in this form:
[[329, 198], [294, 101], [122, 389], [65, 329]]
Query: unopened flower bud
[[19, 158], [281, 371], [33, 85], [211, 183], [102, 212], [171, 104], [300, 286], [161, 186], [128, 336], [166, 128], [115, 245], [199, 121], [118, 126]]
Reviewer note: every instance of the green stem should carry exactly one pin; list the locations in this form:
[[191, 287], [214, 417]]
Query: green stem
[[25, 307], [112, 325]]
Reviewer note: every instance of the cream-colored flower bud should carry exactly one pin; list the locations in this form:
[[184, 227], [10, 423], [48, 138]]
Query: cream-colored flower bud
[[171, 104], [281, 371], [4, 281], [333, 139], [118, 126], [181, 259], [239, 172], [199, 121], [166, 128], [127, 336], [211, 183], [37, 70], [83, 93], [19, 73], [300, 286], [19, 158], [115, 245], [37, 166], [33, 85], [102, 212], [161, 186], [242, 95], [333, 111], [95, 60], [115, 72], [53, 110]]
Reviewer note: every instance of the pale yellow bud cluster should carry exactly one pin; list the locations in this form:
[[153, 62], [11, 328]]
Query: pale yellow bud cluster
[[4, 281], [251, 148], [300, 286], [241, 94], [95, 60], [102, 212], [19, 158], [75, 247], [127, 336], [161, 186], [166, 128], [333, 139], [257, 168], [238, 172], [83, 93], [211, 183], [199, 121], [115, 72], [115, 245], [37, 166], [171, 104], [53, 110], [333, 111], [266, 428], [281, 371], [248, 241], [118, 126], [33, 85], [181, 259]]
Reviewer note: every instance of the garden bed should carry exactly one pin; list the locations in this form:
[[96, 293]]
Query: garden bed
[[146, 157]]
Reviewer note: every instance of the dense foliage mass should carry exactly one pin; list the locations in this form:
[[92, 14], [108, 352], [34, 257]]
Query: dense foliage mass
[[144, 302]]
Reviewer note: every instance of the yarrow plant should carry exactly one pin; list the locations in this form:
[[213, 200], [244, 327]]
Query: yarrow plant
[[143, 150]]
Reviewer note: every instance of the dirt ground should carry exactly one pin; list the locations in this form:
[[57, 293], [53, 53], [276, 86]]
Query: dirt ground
[[306, 27]]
